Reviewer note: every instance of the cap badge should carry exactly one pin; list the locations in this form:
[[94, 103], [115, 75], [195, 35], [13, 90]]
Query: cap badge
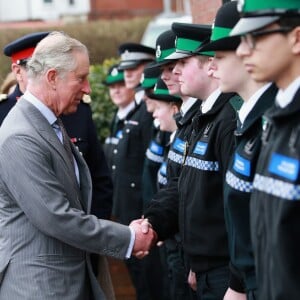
[[114, 72], [240, 5], [158, 52], [142, 78], [126, 55], [176, 42]]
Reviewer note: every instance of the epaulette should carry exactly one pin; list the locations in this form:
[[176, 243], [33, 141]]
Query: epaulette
[[3, 97], [86, 99]]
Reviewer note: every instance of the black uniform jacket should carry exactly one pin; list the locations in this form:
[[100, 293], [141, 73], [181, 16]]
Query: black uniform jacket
[[154, 158], [275, 205], [82, 131], [237, 192], [111, 142], [162, 211], [201, 210], [7, 104], [127, 165]]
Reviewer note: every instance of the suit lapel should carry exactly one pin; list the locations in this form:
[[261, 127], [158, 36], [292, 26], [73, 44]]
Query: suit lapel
[[46, 132]]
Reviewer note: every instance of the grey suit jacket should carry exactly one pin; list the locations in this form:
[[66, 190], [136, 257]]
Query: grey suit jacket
[[46, 232]]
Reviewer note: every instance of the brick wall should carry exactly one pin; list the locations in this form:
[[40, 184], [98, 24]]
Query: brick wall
[[204, 11], [124, 8]]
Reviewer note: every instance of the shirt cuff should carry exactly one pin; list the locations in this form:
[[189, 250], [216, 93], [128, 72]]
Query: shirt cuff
[[131, 244]]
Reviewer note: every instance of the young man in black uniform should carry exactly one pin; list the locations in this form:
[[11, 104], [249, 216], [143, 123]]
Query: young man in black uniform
[[257, 97], [129, 158], [80, 127], [169, 173], [270, 50], [199, 214]]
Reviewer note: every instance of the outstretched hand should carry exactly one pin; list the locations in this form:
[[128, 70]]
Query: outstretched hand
[[145, 237]]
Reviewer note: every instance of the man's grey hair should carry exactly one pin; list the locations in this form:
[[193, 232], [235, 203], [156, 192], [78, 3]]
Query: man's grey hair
[[54, 51]]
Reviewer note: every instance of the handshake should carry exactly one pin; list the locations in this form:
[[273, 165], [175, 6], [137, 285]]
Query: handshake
[[145, 237]]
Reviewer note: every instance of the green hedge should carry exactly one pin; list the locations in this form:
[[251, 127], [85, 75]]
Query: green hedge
[[102, 107]]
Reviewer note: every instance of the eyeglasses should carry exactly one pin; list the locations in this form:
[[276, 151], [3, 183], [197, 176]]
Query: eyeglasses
[[251, 37]]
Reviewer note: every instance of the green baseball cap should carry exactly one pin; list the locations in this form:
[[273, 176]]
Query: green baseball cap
[[257, 14]]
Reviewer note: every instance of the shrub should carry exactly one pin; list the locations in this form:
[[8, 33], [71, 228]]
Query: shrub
[[102, 107]]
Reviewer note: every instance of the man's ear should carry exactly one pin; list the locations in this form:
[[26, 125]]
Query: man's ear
[[296, 40], [52, 77], [210, 67]]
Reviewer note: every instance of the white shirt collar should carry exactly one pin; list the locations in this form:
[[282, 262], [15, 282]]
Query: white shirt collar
[[186, 105], [45, 110], [250, 103], [210, 101], [139, 96], [285, 97], [123, 112], [172, 136]]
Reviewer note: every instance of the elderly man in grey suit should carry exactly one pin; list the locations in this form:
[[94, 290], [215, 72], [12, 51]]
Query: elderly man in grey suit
[[46, 231]]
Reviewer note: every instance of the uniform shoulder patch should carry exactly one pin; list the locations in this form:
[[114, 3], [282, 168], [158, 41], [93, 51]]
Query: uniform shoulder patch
[[3, 97], [236, 102]]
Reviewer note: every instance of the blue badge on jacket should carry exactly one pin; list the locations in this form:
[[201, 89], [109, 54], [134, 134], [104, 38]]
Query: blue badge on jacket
[[200, 148], [119, 134], [156, 148], [179, 145], [163, 169], [241, 165], [284, 166]]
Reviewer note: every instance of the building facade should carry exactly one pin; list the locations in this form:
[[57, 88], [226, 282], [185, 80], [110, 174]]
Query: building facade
[[45, 10]]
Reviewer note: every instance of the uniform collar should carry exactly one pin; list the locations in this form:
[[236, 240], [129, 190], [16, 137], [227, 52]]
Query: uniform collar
[[285, 97], [210, 101], [186, 105], [124, 111], [250, 103]]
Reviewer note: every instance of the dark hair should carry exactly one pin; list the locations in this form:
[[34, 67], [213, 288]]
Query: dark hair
[[288, 21]]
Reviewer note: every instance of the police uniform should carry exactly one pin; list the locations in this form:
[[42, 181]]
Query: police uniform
[[164, 205], [114, 75], [240, 173], [128, 162], [8, 102], [156, 148], [238, 188], [274, 204]]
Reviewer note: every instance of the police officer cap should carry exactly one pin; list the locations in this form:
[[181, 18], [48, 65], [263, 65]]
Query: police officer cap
[[161, 93], [165, 46], [133, 54], [149, 77], [22, 48], [114, 75], [257, 14], [226, 18], [189, 37]]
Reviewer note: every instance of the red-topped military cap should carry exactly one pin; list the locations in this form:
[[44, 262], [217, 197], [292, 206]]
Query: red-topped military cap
[[23, 47]]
